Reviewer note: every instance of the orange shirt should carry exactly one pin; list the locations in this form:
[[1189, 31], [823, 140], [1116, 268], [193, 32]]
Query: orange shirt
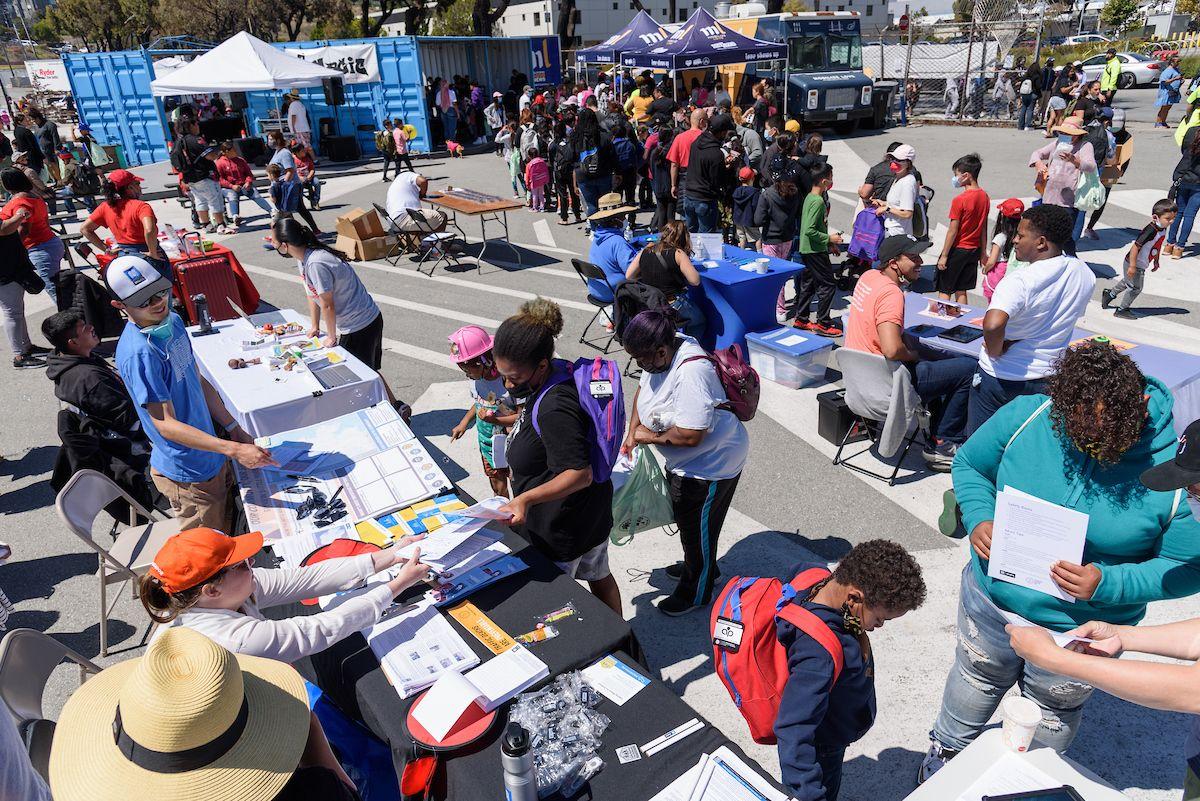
[[37, 224], [124, 221], [875, 300]]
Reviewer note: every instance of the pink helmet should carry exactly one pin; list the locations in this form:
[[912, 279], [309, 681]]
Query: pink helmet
[[469, 342]]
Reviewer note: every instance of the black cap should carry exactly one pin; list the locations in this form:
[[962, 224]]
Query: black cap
[[720, 124], [898, 244], [1183, 470]]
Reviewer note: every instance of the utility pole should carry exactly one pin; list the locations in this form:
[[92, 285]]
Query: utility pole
[[1037, 48]]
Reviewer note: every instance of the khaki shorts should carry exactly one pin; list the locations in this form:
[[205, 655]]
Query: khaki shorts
[[592, 566], [202, 503]]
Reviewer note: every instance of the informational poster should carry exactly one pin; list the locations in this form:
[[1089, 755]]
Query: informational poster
[[358, 63], [48, 75], [547, 60]]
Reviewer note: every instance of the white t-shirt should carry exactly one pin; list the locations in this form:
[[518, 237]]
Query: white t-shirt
[[1043, 301], [298, 117], [490, 391], [403, 194], [523, 101], [687, 396], [902, 195]]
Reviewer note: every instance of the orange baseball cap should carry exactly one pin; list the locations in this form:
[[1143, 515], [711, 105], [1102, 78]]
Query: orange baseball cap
[[196, 555]]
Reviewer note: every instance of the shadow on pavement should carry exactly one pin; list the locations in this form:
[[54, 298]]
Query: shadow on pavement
[[34, 462], [893, 774], [34, 496], [37, 578]]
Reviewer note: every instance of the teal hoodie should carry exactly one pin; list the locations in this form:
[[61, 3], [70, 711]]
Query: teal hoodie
[[1146, 544]]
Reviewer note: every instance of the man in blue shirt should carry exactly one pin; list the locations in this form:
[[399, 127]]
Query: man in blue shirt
[[610, 251], [178, 409]]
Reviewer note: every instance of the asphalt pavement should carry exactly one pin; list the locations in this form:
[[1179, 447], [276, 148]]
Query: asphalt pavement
[[792, 504]]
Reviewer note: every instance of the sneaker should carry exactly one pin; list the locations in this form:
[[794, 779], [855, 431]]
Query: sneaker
[[803, 325], [940, 457], [826, 330], [315, 206], [675, 573], [951, 517], [935, 759], [239, 221], [27, 361], [1125, 314], [1090, 234], [1176, 252], [677, 604], [1107, 296], [37, 350]]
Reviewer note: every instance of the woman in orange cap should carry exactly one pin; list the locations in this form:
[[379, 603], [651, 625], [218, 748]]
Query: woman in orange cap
[[204, 580]]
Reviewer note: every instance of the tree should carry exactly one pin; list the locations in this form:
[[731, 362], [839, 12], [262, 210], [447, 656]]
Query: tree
[[455, 20], [370, 24], [104, 24], [920, 12], [42, 29], [217, 20], [483, 16], [964, 10], [294, 14], [795, 6], [1120, 14], [1188, 8]]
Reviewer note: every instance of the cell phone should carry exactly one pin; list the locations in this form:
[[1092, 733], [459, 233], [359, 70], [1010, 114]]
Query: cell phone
[[924, 330], [1064, 793], [962, 333]]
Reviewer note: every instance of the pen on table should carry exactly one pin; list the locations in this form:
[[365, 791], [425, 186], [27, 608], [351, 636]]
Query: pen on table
[[740, 778]]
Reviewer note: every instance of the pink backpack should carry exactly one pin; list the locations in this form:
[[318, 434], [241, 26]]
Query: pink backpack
[[739, 379]]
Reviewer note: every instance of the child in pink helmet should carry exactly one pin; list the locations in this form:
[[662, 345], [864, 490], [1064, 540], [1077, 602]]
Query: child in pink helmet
[[493, 410]]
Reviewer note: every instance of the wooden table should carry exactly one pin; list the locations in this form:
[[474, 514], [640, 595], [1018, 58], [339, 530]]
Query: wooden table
[[488, 208]]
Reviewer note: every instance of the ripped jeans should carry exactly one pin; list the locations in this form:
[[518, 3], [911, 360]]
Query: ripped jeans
[[985, 667]]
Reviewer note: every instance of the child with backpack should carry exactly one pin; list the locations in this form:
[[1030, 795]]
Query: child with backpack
[[509, 141], [805, 674], [816, 244], [492, 411], [385, 143], [537, 176], [402, 136]]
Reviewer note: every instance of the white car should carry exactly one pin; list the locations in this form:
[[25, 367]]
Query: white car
[[1086, 38], [1136, 69]]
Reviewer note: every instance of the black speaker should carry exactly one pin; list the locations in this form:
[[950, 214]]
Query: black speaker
[[335, 93], [340, 148], [237, 101]]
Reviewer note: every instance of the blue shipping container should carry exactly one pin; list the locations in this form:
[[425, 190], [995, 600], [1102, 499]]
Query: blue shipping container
[[112, 94]]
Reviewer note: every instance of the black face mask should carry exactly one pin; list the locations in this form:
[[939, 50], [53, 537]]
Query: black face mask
[[655, 369], [525, 388]]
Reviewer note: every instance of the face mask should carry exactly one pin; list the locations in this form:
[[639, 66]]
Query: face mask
[[1064, 142], [524, 389], [159, 331], [955, 181], [895, 168], [1157, 223]]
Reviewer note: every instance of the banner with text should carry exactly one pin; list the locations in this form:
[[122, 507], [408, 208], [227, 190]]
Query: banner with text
[[48, 75], [359, 63], [547, 61]]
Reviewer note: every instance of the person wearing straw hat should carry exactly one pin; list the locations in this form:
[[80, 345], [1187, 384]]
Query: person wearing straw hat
[[203, 579], [1059, 165], [191, 720], [610, 250], [297, 117]]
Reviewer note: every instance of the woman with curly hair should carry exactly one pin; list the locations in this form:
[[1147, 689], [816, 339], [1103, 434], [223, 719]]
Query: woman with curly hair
[[1083, 446], [556, 505], [819, 716]]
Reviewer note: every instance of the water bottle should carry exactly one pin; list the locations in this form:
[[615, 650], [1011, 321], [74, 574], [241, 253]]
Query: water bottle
[[202, 315], [628, 231], [517, 760]]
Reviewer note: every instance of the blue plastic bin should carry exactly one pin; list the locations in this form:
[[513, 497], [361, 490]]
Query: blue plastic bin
[[789, 357]]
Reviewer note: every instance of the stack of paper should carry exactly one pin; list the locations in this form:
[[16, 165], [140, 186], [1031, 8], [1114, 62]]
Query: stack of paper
[[449, 591], [487, 687], [416, 645], [720, 776], [1011, 773], [1029, 535], [292, 550]]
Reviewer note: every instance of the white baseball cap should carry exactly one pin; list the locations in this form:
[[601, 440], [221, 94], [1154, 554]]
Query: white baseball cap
[[134, 281], [904, 153]]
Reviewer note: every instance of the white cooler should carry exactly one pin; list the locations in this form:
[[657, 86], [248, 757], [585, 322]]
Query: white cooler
[[789, 357]]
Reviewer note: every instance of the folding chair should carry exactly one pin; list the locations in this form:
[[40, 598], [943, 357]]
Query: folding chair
[[78, 504], [401, 247], [881, 395], [586, 270], [434, 243], [27, 659]]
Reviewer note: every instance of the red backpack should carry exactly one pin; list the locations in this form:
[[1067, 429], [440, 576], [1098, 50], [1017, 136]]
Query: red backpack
[[739, 379], [750, 660]]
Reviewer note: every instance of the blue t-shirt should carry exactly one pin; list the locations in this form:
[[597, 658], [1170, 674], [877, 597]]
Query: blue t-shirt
[[157, 371]]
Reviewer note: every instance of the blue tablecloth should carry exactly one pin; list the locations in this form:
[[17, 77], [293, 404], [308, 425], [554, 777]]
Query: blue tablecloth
[[1179, 371], [734, 300]]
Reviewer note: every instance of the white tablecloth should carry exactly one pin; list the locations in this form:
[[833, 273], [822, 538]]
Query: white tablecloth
[[963, 771], [266, 401]]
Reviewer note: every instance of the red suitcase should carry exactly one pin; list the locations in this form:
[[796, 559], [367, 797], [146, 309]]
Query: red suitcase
[[213, 277]]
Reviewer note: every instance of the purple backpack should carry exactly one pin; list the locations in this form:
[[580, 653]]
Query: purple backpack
[[598, 381], [867, 236]]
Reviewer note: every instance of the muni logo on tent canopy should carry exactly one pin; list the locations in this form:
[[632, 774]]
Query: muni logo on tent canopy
[[712, 31], [652, 38]]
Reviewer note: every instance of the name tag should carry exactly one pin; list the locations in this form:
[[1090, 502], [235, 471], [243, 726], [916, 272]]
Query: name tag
[[601, 389], [728, 634]]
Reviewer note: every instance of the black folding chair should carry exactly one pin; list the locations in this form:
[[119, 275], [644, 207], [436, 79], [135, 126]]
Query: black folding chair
[[402, 245], [433, 242], [586, 270]]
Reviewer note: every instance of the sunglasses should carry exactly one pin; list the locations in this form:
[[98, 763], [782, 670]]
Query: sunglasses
[[155, 298]]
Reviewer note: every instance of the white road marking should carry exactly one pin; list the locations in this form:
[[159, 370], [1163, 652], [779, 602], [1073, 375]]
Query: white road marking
[[541, 229], [421, 354]]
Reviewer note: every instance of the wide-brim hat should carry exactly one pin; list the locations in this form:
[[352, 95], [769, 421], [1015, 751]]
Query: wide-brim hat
[[610, 205], [1069, 129], [188, 720]]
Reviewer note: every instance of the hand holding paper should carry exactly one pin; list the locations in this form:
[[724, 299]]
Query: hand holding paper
[[1031, 537]]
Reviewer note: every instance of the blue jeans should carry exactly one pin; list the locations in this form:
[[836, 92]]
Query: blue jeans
[[986, 666], [989, 393], [1025, 115], [944, 386], [1188, 201], [592, 190], [67, 194], [234, 203], [1077, 226], [47, 261], [694, 320], [701, 216], [450, 124], [313, 189]]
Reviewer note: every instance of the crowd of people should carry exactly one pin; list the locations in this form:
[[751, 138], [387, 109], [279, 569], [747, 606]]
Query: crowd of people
[[213, 708]]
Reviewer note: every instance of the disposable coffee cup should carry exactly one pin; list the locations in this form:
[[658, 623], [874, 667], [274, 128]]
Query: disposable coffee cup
[[1021, 719], [762, 266]]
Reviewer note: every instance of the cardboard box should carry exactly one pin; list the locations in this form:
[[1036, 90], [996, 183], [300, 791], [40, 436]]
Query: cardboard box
[[377, 247], [359, 225]]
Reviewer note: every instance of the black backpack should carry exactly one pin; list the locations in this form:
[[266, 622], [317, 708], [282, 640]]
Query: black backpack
[[86, 181], [632, 297]]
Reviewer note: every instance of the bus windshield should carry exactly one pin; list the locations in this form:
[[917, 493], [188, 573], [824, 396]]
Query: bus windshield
[[825, 53]]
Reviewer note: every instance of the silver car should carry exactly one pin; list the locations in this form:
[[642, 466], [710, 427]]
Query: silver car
[[1136, 69]]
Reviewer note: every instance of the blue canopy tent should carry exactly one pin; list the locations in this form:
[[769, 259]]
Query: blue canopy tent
[[641, 32], [703, 42]]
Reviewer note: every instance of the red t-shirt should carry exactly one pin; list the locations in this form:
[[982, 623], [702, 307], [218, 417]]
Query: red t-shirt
[[37, 223], [971, 209], [681, 147], [124, 221]]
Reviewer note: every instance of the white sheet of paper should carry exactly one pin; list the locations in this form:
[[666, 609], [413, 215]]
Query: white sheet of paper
[[444, 703], [708, 246], [789, 341], [486, 509], [503, 676], [1029, 535], [1010, 774], [1061, 640], [443, 540], [681, 788], [613, 679]]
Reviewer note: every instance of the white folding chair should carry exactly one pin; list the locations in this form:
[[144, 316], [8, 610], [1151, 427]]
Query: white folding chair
[[78, 504], [27, 658]]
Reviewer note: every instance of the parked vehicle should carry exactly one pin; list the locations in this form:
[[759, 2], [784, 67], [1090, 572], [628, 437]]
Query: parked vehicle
[[1136, 69], [1086, 38]]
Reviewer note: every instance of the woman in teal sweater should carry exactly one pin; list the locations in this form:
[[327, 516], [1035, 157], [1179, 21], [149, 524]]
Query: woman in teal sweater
[[1083, 447]]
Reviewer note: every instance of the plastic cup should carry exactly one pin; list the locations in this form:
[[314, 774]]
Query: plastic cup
[[1021, 719], [762, 266]]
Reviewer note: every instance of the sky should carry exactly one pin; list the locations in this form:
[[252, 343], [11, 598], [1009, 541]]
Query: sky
[[932, 6]]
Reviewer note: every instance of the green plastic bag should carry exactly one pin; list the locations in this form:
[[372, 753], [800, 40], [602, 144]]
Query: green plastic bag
[[1089, 194], [642, 503]]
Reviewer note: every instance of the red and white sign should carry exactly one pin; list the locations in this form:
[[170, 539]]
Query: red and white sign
[[903, 22], [48, 75]]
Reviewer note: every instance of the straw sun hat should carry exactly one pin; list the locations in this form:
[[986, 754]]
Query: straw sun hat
[[610, 205], [189, 721]]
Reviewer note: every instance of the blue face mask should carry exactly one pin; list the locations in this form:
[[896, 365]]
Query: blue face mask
[[159, 331], [954, 181]]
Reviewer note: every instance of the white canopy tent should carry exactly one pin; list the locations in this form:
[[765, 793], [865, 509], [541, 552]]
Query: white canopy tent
[[241, 63]]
